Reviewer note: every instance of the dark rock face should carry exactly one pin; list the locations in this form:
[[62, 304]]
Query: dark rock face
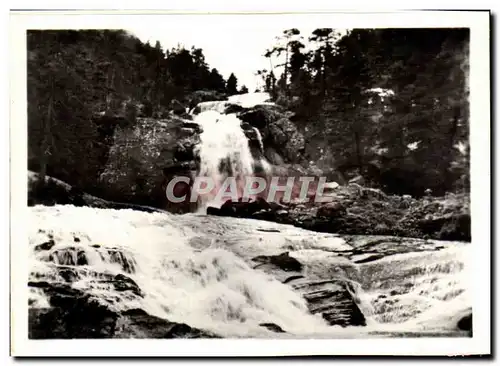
[[465, 323], [79, 321], [74, 314], [233, 108], [89, 320], [334, 300], [278, 132], [449, 228], [260, 116], [45, 246], [141, 156], [285, 137], [282, 261]]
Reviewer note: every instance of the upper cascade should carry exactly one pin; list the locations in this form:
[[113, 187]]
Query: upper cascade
[[250, 100]]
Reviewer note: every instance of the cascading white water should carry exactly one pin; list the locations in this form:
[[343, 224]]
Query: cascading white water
[[197, 270], [249, 100], [211, 288], [224, 150]]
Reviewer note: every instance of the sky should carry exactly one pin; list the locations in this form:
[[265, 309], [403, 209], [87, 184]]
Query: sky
[[230, 48]]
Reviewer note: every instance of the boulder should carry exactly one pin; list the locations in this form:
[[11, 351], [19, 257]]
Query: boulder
[[261, 116], [75, 315], [282, 261], [331, 210], [233, 108], [272, 327], [465, 323], [242, 209]]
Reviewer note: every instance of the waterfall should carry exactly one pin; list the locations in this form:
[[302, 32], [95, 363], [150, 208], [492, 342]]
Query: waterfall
[[200, 270], [224, 150]]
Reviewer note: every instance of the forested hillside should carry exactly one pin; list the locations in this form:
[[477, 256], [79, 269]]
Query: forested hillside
[[78, 78], [391, 103]]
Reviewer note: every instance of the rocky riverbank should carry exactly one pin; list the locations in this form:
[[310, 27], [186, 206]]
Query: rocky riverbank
[[205, 276], [357, 210]]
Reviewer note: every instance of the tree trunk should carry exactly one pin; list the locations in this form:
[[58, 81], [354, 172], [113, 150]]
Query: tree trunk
[[286, 69], [46, 145], [451, 140]]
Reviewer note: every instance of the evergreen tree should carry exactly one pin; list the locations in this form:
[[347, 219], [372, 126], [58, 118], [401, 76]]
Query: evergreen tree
[[232, 85]]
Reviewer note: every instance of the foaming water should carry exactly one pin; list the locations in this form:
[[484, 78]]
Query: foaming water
[[224, 152], [249, 100], [217, 106], [210, 288], [198, 270]]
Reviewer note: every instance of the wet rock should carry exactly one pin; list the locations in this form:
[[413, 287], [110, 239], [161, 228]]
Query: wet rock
[[85, 318], [137, 323], [332, 299], [122, 283], [74, 319], [282, 261], [81, 258], [68, 274], [45, 246], [370, 258], [269, 230], [243, 209], [192, 126], [272, 327], [465, 323], [233, 108], [292, 278]]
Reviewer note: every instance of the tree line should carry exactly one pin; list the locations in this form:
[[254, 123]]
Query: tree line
[[390, 103], [76, 75], [385, 101]]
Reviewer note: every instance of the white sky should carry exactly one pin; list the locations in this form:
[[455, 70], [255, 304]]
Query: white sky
[[227, 47]]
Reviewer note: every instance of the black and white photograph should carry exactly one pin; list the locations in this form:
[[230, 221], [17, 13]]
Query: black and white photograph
[[216, 178]]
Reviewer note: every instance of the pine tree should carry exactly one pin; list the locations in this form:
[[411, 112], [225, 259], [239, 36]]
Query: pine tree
[[232, 85]]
